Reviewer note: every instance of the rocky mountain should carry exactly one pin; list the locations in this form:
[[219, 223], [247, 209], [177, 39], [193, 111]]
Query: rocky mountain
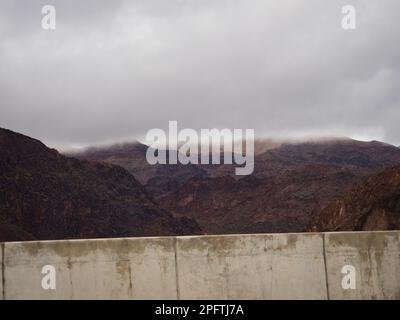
[[44, 195], [157, 179], [359, 156], [292, 183], [372, 205], [161, 179], [282, 203]]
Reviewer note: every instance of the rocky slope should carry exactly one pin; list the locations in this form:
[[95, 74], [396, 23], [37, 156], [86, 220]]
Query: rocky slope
[[359, 156], [44, 195], [161, 179], [282, 203], [292, 183], [373, 205], [157, 179]]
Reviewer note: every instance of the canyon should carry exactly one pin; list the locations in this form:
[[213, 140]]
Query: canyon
[[292, 182], [112, 191]]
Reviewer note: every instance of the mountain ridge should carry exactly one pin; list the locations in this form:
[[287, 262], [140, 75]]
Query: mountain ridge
[[46, 195], [291, 183]]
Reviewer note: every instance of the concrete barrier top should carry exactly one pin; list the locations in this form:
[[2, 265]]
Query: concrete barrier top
[[344, 265]]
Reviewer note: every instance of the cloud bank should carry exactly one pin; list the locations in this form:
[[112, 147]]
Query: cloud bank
[[112, 70]]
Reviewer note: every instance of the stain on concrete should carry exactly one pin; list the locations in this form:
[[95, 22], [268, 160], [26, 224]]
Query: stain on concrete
[[375, 255], [88, 249], [363, 240]]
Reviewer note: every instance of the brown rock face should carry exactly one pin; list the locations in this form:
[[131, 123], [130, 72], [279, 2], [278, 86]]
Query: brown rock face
[[157, 179], [361, 157], [282, 203], [44, 195], [373, 205], [292, 183]]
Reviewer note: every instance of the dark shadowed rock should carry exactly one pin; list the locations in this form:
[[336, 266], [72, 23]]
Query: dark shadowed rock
[[292, 183], [49, 196], [158, 179], [373, 205]]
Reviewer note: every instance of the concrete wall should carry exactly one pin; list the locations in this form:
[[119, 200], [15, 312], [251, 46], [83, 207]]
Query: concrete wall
[[376, 258], [251, 267], [1, 270], [262, 266], [141, 268]]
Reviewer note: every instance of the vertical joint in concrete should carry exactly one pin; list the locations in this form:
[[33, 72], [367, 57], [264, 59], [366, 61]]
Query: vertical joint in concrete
[[176, 268], [326, 265]]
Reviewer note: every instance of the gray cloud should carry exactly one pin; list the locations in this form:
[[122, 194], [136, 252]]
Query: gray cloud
[[114, 69]]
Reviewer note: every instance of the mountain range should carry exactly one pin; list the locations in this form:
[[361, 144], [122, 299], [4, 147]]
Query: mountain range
[[112, 191], [292, 182], [45, 195]]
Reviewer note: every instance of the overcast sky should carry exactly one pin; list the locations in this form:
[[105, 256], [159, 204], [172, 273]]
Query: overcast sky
[[112, 70]]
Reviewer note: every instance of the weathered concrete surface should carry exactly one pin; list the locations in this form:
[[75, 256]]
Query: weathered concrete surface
[[260, 266], [141, 268], [376, 258], [279, 266], [1, 270]]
